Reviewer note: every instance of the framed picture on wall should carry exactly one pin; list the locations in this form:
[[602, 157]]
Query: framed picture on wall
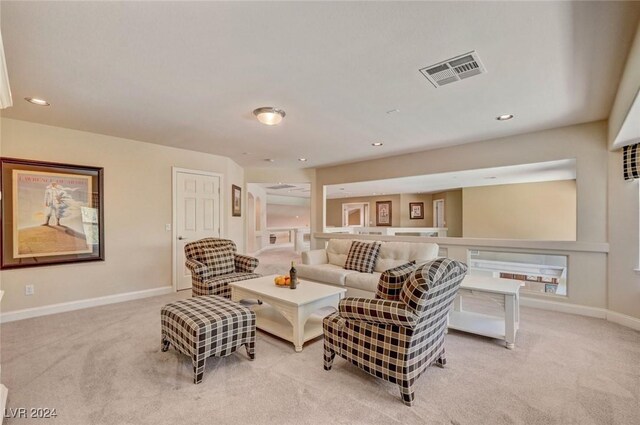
[[236, 201], [416, 210], [383, 213], [51, 213]]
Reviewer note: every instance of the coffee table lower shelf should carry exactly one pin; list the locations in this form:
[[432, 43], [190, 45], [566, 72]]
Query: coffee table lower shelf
[[270, 320]]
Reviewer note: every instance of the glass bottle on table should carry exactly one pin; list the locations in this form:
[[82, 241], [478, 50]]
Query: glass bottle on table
[[293, 276]]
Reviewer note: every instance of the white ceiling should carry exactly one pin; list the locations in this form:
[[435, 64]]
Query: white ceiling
[[189, 74], [525, 173]]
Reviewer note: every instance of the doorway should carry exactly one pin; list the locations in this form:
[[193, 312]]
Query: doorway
[[197, 214], [355, 214], [438, 213]]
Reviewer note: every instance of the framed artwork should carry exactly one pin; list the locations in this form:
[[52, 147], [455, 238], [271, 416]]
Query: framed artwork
[[383, 213], [416, 210], [236, 201], [51, 213]]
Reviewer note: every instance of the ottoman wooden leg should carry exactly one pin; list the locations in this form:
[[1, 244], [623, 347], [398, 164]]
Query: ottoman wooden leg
[[165, 344]]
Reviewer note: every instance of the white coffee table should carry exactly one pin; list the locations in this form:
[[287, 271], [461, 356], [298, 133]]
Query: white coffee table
[[504, 292], [288, 313]]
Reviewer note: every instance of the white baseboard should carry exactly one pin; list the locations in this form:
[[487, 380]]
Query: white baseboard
[[28, 313], [581, 310], [600, 313], [624, 320]]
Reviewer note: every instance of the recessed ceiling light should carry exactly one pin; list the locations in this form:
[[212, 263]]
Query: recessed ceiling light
[[36, 101], [376, 144], [302, 159], [270, 160], [393, 111], [269, 115], [504, 117], [491, 177]]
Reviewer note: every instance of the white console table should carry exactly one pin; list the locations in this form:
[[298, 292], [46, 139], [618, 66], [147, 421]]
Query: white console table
[[505, 292], [3, 389]]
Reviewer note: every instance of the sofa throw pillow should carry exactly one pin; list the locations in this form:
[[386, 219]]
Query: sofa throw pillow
[[362, 256], [391, 281], [219, 260]]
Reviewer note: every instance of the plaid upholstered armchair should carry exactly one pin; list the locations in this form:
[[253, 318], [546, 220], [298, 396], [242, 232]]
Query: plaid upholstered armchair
[[214, 263], [401, 332]]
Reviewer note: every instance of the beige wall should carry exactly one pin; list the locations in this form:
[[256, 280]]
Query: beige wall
[[540, 211], [334, 209], [405, 218], [452, 211], [624, 215], [137, 195], [288, 215]]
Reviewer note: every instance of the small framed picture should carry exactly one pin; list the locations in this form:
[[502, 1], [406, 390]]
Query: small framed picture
[[236, 201], [416, 210], [383, 213]]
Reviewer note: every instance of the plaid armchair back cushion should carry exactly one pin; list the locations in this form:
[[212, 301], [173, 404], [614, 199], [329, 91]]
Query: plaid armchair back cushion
[[220, 260], [391, 281], [362, 256]]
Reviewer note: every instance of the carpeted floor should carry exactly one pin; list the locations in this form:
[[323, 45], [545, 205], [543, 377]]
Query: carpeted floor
[[277, 260], [104, 366]]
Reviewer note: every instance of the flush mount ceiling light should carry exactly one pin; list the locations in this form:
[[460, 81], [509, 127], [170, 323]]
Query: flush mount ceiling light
[[269, 115], [36, 101], [302, 159], [504, 117], [376, 144]]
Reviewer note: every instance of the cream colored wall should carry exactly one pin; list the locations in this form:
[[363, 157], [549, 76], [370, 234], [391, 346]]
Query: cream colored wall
[[137, 197], [405, 218], [334, 209], [624, 216], [540, 211], [627, 89]]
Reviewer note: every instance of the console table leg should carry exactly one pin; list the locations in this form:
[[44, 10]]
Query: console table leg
[[510, 306]]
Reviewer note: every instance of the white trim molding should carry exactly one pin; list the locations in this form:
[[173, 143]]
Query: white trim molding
[[581, 310], [28, 313], [624, 320], [5, 89]]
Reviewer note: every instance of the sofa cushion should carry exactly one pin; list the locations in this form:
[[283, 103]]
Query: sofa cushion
[[392, 280], [365, 281], [326, 273], [394, 254], [337, 251], [362, 256], [219, 260]]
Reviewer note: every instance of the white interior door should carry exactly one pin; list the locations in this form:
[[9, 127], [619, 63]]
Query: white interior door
[[438, 213], [197, 216]]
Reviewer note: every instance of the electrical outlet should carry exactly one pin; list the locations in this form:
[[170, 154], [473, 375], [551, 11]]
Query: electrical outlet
[[29, 290], [167, 227]]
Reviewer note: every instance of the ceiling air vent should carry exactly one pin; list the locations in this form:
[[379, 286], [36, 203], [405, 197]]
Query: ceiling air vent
[[454, 69], [280, 186]]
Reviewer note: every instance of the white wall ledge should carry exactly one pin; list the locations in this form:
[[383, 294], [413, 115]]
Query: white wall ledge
[[556, 246]]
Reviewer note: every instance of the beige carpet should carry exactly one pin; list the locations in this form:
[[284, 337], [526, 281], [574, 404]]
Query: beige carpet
[[104, 366], [276, 260]]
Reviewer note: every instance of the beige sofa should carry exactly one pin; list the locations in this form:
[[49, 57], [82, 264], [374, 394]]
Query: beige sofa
[[327, 265]]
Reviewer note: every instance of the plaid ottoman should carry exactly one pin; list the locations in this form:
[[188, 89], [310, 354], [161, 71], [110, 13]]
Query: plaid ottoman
[[206, 326]]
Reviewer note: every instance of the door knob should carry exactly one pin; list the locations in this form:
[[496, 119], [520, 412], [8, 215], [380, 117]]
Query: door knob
[[180, 238]]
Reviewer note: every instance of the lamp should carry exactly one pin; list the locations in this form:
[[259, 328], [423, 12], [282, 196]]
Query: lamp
[[269, 115]]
